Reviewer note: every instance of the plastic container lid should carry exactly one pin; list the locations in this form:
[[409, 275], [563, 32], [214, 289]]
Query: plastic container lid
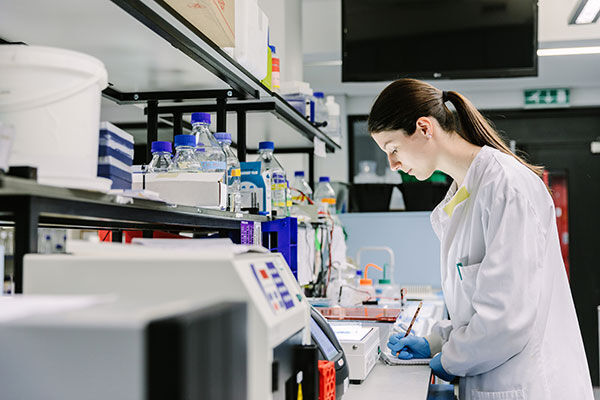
[[200, 117], [366, 282], [161, 146], [359, 272], [324, 179], [185, 140], [319, 95], [299, 173], [223, 136], [385, 281], [266, 145]]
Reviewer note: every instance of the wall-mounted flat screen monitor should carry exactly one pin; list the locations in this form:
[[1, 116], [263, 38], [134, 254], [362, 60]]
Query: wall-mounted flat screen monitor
[[384, 40]]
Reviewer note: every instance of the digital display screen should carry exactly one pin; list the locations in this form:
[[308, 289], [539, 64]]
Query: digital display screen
[[323, 341], [388, 39]]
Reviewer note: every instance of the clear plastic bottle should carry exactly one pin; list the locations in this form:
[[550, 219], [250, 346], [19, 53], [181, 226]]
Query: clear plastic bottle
[[333, 118], [288, 197], [185, 154], [161, 157], [278, 186], [321, 113], [210, 154], [301, 190], [233, 172], [325, 196]]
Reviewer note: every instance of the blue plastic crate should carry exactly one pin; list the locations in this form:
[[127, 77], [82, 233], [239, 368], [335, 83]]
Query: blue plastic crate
[[281, 235]]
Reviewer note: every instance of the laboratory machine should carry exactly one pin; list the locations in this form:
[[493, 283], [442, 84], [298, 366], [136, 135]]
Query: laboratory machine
[[361, 347], [108, 347], [279, 361], [330, 349]]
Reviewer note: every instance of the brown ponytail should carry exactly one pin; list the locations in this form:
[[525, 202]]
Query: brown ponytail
[[404, 101]]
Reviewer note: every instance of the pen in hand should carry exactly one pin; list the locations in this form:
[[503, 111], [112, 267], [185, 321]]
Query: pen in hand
[[412, 322], [413, 319]]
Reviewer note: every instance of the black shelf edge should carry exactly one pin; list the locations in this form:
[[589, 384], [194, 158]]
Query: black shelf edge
[[76, 208]]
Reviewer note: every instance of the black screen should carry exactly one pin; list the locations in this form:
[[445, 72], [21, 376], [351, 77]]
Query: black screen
[[324, 343], [388, 39]]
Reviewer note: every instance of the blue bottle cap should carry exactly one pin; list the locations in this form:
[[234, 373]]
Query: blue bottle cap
[[272, 48], [266, 145], [319, 95], [200, 117], [299, 173], [185, 140], [324, 179], [223, 137], [161, 146]]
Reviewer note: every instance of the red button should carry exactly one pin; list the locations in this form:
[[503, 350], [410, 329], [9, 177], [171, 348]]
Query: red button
[[264, 274]]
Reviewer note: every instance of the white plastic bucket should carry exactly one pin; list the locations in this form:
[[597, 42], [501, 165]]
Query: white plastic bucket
[[52, 99]]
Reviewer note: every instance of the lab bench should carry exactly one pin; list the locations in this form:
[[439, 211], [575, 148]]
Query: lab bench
[[393, 382]]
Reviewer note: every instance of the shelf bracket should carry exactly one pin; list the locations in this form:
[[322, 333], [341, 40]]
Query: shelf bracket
[[221, 114], [241, 135], [177, 124], [152, 128]]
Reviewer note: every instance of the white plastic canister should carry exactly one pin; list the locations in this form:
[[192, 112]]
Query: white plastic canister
[[52, 99]]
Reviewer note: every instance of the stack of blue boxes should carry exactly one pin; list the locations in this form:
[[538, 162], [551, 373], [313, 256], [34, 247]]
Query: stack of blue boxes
[[115, 155]]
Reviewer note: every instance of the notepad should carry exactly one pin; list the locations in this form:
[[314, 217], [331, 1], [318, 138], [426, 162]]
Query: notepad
[[389, 359]]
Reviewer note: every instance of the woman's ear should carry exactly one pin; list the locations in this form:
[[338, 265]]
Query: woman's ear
[[425, 127]]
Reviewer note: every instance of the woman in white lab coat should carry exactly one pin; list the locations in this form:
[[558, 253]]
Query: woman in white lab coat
[[513, 332]]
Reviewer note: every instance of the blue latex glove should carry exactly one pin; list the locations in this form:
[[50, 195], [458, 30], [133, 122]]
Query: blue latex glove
[[407, 348], [438, 370]]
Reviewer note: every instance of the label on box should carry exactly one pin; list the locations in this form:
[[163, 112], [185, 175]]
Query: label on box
[[254, 185]]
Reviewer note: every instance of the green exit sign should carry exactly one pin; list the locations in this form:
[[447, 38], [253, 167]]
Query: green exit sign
[[547, 97]]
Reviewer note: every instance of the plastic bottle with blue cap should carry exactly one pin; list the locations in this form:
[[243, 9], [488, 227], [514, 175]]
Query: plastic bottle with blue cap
[[278, 180], [301, 191], [209, 152], [233, 172], [325, 197], [185, 154], [161, 157], [321, 113]]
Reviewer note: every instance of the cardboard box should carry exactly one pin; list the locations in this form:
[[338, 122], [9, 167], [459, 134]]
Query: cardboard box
[[214, 18]]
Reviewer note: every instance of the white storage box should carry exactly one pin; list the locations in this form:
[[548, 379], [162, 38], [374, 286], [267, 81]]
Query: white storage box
[[187, 188]]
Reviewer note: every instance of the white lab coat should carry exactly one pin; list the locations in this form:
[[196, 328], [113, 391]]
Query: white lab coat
[[513, 332]]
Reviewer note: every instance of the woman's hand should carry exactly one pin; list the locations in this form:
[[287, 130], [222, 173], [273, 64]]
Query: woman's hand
[[407, 348], [438, 370]]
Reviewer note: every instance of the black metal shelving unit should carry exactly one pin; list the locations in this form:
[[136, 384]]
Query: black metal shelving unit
[[159, 17], [27, 205]]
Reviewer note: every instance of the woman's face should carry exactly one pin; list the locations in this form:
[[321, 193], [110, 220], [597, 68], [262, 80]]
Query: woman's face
[[413, 154]]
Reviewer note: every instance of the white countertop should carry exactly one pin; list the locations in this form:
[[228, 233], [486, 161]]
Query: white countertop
[[392, 382]]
